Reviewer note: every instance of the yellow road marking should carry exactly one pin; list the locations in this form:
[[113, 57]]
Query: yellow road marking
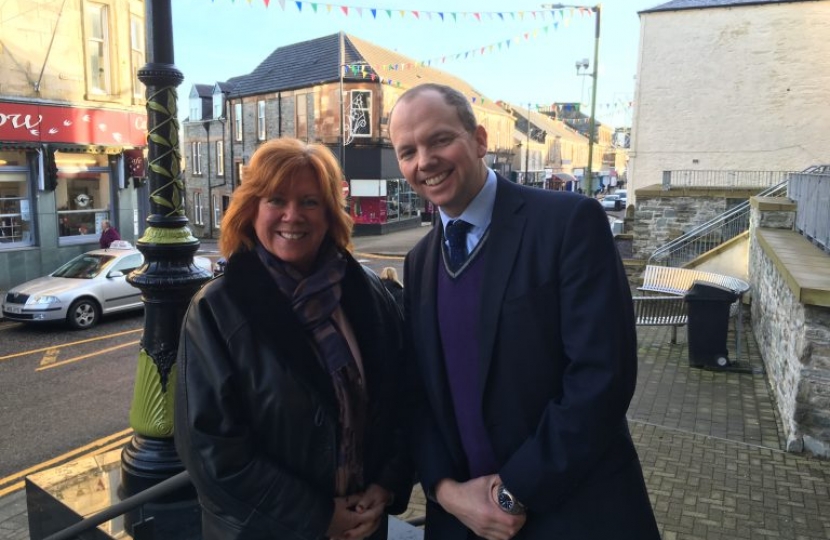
[[50, 357], [103, 444], [358, 254], [77, 358], [90, 340]]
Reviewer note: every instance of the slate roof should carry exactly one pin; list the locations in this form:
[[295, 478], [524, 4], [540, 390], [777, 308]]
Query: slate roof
[[317, 61], [380, 59], [298, 65], [676, 5], [551, 126], [205, 91]]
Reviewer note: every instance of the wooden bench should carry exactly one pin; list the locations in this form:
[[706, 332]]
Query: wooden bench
[[678, 281], [661, 311]]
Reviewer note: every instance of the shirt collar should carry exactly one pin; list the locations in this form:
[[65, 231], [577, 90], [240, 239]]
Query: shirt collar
[[479, 212]]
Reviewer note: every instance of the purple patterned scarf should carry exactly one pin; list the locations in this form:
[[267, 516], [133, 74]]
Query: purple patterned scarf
[[314, 298]]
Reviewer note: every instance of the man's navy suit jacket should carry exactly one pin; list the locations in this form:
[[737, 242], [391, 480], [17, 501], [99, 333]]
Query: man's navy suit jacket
[[557, 370]]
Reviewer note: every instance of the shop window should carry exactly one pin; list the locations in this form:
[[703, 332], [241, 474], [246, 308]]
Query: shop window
[[97, 48], [82, 195], [15, 201], [393, 203]]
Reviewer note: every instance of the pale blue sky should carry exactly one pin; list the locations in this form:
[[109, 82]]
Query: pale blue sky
[[220, 39]]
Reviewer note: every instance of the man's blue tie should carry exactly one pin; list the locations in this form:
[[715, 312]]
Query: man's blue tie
[[457, 237]]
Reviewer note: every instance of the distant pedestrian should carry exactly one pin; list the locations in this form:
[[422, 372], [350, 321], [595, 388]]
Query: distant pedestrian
[[108, 234], [389, 277]]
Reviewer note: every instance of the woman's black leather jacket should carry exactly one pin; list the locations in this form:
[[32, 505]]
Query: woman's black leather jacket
[[255, 413]]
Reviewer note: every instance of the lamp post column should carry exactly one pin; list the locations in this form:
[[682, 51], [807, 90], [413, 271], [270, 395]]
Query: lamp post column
[[167, 279], [589, 173]]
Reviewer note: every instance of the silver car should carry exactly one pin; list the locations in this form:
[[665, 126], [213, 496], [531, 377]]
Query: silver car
[[82, 290]]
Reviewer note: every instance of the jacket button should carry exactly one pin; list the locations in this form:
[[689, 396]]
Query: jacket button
[[319, 417]]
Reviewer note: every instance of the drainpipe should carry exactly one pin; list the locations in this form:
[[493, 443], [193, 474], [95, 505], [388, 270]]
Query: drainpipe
[[206, 125]]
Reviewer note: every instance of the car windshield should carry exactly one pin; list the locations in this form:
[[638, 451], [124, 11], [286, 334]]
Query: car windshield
[[84, 266]]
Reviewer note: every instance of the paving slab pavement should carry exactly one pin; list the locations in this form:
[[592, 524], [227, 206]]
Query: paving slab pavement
[[710, 443]]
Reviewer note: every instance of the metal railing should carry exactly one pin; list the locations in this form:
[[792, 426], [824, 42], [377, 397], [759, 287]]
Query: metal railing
[[161, 489], [721, 179], [811, 192], [710, 234], [144, 528]]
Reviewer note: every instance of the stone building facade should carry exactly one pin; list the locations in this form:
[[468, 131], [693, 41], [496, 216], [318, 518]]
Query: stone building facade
[[286, 97], [730, 85], [72, 130]]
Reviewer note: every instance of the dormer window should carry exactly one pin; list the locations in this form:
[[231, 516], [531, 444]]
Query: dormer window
[[195, 105], [218, 103]]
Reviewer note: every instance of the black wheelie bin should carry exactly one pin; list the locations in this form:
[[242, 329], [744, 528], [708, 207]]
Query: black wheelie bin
[[708, 307]]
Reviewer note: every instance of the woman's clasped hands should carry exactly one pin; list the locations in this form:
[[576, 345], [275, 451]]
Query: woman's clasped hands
[[358, 515]]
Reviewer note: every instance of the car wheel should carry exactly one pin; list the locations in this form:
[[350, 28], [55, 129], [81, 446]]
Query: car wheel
[[83, 313]]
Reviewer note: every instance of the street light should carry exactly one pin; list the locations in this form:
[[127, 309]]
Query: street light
[[597, 9], [582, 71]]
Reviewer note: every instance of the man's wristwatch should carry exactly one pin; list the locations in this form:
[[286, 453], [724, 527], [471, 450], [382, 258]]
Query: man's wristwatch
[[508, 502]]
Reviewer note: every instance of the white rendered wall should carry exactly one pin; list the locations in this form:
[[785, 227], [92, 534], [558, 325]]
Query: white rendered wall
[[741, 88]]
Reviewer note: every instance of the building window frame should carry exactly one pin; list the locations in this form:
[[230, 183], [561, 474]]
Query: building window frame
[[97, 44], [217, 212], [237, 122], [360, 113], [198, 209], [302, 122], [218, 106], [137, 48], [220, 158], [196, 156], [260, 120]]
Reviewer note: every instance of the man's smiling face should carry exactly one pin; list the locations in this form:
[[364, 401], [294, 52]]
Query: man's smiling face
[[439, 158]]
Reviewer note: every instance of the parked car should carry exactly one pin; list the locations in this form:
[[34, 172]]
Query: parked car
[[87, 287], [623, 195], [612, 202]]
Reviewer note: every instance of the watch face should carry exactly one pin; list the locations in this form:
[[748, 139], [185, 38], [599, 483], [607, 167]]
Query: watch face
[[505, 501]]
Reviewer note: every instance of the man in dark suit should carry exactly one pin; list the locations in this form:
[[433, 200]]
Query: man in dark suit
[[524, 346]]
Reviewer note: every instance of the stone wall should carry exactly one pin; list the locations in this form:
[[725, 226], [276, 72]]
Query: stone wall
[[663, 215], [794, 336]]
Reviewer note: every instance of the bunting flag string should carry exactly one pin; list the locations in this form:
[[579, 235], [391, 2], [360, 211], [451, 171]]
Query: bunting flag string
[[478, 51], [421, 15]]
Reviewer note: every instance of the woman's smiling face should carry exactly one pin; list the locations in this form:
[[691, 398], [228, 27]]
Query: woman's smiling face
[[292, 223]]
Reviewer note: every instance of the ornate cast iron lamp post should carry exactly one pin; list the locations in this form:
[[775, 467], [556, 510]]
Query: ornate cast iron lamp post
[[167, 280]]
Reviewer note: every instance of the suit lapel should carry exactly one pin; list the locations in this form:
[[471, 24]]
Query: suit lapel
[[505, 238]]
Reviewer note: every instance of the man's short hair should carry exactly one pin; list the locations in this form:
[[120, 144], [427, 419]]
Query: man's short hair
[[452, 97]]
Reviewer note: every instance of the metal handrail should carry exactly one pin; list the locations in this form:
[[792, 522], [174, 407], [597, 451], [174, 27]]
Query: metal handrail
[[700, 239], [164, 487]]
